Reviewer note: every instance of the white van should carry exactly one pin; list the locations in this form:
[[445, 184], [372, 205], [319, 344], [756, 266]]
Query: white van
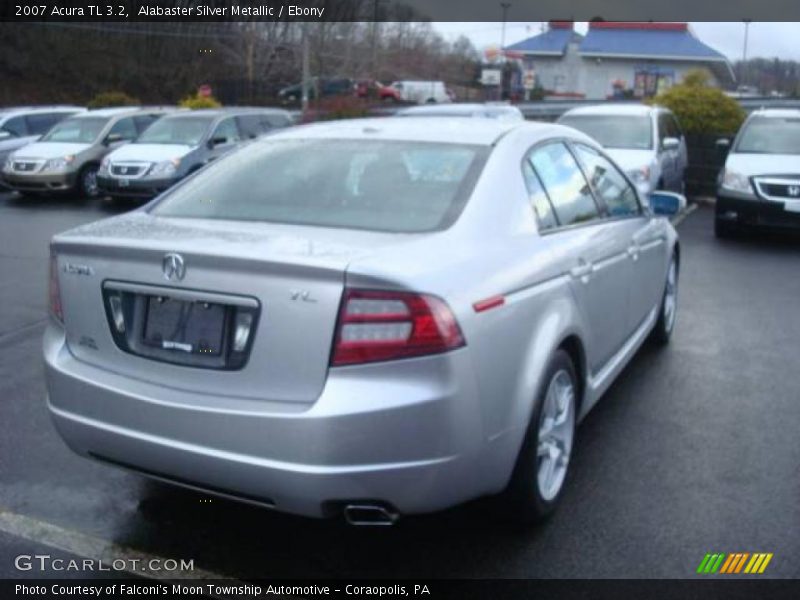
[[421, 92]]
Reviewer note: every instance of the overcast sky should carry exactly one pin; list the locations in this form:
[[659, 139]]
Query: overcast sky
[[766, 40]]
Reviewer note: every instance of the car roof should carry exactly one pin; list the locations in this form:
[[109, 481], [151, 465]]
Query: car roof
[[466, 108], [125, 111], [113, 112], [227, 112], [9, 111], [777, 113], [615, 109], [418, 129]]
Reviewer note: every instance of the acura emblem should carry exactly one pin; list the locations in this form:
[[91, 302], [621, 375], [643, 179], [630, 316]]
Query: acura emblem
[[794, 190], [173, 267]]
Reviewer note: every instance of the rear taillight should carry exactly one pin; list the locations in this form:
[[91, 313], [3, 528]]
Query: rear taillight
[[54, 292], [383, 325]]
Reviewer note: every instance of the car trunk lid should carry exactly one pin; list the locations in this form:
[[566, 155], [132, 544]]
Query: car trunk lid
[[293, 276]]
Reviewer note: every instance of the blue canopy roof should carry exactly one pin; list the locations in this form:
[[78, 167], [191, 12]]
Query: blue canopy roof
[[640, 43], [553, 41], [646, 41]]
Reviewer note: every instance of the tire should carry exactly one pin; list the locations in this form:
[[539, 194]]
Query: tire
[[538, 479], [662, 332], [87, 182], [723, 229]]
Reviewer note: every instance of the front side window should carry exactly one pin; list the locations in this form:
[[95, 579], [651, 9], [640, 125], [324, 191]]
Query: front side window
[[565, 184], [79, 130], [376, 185], [124, 129], [226, 132], [608, 183], [634, 132], [770, 135]]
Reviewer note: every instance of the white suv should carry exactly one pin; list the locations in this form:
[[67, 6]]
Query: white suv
[[646, 141]]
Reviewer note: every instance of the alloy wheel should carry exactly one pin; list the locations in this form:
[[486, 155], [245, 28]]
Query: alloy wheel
[[556, 432]]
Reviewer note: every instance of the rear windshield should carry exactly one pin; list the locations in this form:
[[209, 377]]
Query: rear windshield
[[83, 130], [374, 185], [186, 131], [770, 135], [614, 131]]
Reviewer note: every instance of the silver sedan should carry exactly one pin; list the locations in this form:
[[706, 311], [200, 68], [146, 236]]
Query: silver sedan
[[369, 318]]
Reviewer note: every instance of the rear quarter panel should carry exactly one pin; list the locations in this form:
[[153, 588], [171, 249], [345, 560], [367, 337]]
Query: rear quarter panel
[[493, 249]]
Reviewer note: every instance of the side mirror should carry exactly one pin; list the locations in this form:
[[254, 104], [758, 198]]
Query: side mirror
[[670, 143], [667, 203], [112, 138], [5, 135], [216, 141]]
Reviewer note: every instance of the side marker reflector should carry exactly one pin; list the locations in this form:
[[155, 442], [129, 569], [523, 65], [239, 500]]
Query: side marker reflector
[[489, 303]]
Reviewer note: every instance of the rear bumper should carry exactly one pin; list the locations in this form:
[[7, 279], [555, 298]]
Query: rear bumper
[[135, 188], [766, 214], [41, 182], [406, 434]]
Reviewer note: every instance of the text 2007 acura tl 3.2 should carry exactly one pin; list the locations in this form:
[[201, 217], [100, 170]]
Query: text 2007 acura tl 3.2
[[373, 317]]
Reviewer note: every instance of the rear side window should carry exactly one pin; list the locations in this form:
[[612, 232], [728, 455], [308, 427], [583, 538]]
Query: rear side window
[[608, 183], [252, 126], [565, 184], [540, 203], [277, 120]]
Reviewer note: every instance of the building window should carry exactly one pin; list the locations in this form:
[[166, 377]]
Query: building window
[[649, 81]]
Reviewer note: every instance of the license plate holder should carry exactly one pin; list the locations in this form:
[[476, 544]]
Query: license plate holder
[[792, 206], [183, 326]]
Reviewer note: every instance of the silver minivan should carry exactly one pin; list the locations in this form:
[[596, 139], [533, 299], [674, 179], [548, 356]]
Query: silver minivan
[[66, 159], [23, 125], [180, 144]]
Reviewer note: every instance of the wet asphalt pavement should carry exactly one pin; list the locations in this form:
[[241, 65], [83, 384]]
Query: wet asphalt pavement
[[694, 449]]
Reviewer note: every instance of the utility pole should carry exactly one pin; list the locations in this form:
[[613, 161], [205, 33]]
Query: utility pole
[[505, 6], [744, 51], [373, 71], [306, 71]]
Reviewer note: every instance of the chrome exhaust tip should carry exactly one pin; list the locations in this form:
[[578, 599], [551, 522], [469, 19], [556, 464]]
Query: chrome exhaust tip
[[366, 515]]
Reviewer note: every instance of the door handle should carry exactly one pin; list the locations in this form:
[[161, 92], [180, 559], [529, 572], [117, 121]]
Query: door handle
[[633, 252], [582, 271]]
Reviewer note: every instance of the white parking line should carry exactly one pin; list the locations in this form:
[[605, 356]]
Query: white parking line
[[679, 218], [97, 549]]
